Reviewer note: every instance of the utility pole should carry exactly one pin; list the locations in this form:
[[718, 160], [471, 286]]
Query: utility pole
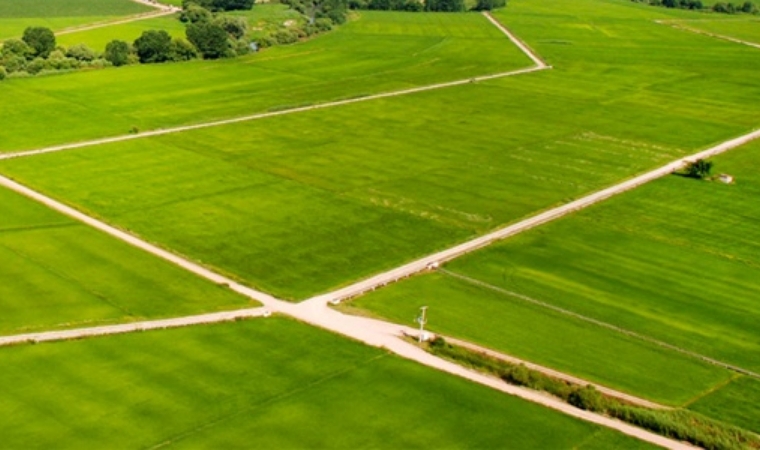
[[422, 320]]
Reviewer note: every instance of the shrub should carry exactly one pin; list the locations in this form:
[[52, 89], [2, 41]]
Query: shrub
[[81, 52], [587, 398], [117, 53], [3, 73], [153, 46]]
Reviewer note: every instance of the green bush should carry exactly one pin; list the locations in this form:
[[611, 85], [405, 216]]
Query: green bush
[[3, 73]]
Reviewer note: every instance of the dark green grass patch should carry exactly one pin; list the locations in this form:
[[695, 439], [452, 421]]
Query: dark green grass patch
[[244, 384], [57, 273]]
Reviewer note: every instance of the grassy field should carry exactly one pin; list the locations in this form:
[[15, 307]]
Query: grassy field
[[329, 206], [676, 260], [16, 15], [60, 274], [736, 402], [746, 28], [98, 38], [250, 384], [365, 187], [380, 52]]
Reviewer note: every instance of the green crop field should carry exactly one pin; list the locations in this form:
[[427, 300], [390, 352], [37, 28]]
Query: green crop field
[[98, 38], [746, 28], [16, 15], [736, 402], [676, 260], [249, 384], [58, 273], [378, 53], [378, 183]]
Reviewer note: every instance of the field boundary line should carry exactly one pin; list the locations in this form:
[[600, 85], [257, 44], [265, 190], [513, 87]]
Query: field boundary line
[[553, 373], [539, 65], [435, 259], [122, 328], [600, 323], [682, 27]]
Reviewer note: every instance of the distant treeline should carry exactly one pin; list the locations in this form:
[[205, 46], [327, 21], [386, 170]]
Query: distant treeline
[[427, 5], [720, 7]]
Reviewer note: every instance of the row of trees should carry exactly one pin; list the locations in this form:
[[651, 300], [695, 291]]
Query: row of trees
[[426, 5], [719, 7], [37, 52]]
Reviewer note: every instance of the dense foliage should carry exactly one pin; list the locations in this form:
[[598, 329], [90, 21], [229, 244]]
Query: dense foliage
[[720, 7], [220, 5]]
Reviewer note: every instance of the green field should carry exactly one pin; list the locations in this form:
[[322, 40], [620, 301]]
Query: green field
[[16, 15], [380, 52], [676, 260], [737, 402], [58, 273], [746, 28], [250, 384], [362, 188], [98, 38]]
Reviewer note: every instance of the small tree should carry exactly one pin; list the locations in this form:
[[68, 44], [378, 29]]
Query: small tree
[[117, 53], [40, 39], [209, 38], [698, 169], [154, 46]]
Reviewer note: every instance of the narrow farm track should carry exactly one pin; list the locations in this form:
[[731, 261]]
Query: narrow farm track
[[680, 26], [538, 66]]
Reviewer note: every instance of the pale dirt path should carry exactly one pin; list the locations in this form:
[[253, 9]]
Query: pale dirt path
[[680, 26], [538, 66]]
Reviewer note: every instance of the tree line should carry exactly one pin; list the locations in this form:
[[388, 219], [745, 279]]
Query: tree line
[[720, 7], [425, 5]]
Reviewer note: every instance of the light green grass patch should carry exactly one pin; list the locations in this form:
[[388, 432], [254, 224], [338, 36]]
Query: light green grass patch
[[745, 28], [246, 384], [98, 38], [17, 15], [60, 274]]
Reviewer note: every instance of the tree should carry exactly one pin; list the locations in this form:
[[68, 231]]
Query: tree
[[698, 169], [117, 53], [193, 12], [153, 46], [182, 50], [445, 5], [488, 5], [748, 7], [40, 39], [235, 27], [209, 38], [334, 10], [220, 5]]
